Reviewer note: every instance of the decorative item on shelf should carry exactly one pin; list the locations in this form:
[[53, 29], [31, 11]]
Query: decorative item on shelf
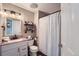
[[3, 30], [14, 37], [30, 27], [3, 27]]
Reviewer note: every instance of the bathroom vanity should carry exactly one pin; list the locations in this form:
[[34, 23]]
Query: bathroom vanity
[[12, 33], [16, 47]]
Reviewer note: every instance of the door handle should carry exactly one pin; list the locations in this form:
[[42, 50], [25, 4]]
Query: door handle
[[60, 45]]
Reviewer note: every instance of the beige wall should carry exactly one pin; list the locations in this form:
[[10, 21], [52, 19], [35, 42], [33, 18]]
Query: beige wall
[[26, 15]]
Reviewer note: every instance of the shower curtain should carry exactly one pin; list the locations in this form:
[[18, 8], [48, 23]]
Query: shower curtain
[[49, 34]]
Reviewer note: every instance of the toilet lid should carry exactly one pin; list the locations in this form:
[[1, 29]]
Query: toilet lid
[[33, 47]]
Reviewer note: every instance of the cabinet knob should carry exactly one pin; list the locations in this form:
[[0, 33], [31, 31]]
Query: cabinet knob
[[24, 49]]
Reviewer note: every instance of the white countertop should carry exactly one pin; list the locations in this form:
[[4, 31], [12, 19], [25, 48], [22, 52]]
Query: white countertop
[[13, 41]]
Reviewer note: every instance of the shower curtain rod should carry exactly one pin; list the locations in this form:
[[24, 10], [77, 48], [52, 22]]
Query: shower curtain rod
[[55, 12]]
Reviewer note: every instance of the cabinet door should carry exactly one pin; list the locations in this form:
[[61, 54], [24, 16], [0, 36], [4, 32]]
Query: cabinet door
[[10, 52], [23, 50], [43, 34]]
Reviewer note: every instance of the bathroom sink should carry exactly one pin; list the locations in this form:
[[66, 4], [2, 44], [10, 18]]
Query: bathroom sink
[[13, 41]]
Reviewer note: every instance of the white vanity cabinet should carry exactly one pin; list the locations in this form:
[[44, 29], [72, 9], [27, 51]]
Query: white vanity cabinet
[[14, 49]]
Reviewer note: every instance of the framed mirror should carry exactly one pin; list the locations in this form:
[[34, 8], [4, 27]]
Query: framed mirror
[[12, 27]]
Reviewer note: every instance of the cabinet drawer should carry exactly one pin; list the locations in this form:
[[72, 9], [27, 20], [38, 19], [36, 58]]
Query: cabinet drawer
[[13, 45]]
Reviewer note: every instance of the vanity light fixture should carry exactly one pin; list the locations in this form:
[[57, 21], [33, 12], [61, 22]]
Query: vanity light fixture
[[12, 13], [19, 13], [4, 13], [4, 9]]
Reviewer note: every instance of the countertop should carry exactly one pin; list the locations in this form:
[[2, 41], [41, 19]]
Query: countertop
[[13, 41]]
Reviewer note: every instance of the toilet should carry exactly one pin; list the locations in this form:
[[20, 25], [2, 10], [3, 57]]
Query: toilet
[[33, 49]]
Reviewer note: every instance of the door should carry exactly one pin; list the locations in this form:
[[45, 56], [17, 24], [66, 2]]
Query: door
[[70, 29], [66, 22], [43, 34]]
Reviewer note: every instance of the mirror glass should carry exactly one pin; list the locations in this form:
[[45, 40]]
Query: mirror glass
[[12, 27]]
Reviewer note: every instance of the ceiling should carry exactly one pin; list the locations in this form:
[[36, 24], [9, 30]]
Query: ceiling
[[45, 7]]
